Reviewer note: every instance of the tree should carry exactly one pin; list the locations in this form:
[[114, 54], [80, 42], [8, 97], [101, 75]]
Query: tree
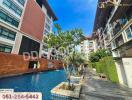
[[96, 56], [67, 40], [73, 61]]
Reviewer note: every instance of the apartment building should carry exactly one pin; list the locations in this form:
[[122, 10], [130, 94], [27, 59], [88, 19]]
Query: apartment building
[[87, 46], [23, 25], [49, 19], [113, 25]]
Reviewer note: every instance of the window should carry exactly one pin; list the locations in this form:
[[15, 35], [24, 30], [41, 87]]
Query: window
[[123, 21], [2, 16], [8, 19], [48, 20], [22, 2], [5, 48], [117, 28], [47, 27], [5, 33], [13, 7], [129, 32], [46, 32]]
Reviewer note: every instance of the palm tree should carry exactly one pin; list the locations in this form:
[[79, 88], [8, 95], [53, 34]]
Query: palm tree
[[68, 40], [73, 61]]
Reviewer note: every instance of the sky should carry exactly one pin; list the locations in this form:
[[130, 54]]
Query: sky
[[75, 14]]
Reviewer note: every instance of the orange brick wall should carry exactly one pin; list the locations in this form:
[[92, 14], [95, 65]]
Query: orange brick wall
[[33, 20], [44, 64], [12, 64], [15, 64]]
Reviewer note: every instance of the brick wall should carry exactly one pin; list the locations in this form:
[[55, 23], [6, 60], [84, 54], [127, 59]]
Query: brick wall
[[44, 64], [33, 20], [15, 64], [12, 64]]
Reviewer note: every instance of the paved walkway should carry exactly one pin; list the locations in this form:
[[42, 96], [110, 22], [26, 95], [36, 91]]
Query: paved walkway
[[95, 88]]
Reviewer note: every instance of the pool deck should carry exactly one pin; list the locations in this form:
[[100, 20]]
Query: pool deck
[[95, 88]]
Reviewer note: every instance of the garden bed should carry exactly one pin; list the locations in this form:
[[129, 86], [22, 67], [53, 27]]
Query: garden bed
[[61, 92]]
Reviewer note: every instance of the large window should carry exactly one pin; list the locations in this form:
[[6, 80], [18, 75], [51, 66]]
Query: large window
[[13, 6], [28, 45], [8, 19], [22, 2], [129, 32], [5, 33], [5, 48]]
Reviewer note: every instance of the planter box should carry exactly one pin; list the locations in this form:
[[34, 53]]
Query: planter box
[[60, 94], [76, 79]]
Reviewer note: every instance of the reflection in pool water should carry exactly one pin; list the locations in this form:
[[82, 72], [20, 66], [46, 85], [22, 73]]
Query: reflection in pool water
[[35, 82]]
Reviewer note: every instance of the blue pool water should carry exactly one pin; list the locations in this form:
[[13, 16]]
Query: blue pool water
[[39, 82]]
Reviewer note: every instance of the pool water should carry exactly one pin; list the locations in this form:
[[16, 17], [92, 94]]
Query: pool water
[[35, 82]]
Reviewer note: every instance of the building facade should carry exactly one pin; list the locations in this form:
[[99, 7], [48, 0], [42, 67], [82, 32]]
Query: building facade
[[87, 46], [23, 25], [113, 25]]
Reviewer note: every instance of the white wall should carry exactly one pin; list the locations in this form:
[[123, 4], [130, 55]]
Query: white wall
[[127, 62], [121, 72], [6, 41], [40, 50], [46, 19], [18, 40], [44, 9]]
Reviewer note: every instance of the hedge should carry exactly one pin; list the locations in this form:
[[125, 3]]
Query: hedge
[[107, 66]]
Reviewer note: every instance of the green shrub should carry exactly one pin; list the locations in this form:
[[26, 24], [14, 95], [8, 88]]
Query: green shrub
[[107, 66], [91, 65], [111, 69], [98, 67], [96, 56]]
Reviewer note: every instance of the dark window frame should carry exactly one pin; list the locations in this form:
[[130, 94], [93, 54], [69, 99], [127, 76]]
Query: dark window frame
[[3, 48], [13, 22], [10, 34], [22, 2], [15, 8]]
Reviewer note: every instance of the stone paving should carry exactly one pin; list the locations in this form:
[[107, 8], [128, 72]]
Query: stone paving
[[95, 88]]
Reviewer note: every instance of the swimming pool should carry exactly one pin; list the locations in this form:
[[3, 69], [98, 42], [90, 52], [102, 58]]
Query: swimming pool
[[35, 82]]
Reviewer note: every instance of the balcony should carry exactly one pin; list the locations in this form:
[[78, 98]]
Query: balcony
[[107, 42], [119, 25], [116, 29], [119, 41]]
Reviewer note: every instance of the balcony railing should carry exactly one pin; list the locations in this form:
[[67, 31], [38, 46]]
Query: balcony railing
[[121, 22], [119, 41]]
